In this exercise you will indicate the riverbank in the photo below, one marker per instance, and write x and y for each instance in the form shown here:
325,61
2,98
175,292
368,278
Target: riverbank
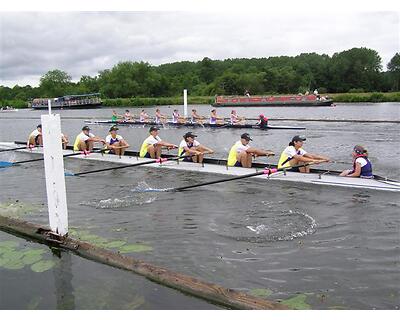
368,97
373,97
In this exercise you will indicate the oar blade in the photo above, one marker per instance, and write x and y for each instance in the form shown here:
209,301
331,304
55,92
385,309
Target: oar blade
5,164
69,174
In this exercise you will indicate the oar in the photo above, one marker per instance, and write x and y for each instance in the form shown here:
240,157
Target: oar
266,171
161,160
13,149
10,164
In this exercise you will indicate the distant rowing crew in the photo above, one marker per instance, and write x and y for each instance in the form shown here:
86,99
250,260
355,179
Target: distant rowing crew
176,118
241,153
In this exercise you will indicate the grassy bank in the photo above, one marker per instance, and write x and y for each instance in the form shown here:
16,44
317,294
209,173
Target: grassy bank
162,101
366,97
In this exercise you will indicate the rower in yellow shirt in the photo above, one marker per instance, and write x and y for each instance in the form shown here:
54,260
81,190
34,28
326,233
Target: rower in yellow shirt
241,154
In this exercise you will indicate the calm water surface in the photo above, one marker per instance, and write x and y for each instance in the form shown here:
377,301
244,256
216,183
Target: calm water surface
329,248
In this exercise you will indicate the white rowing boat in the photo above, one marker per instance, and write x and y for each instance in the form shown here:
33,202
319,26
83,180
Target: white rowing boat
218,166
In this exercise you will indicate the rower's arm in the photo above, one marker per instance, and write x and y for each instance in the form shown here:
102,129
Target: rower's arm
260,152
167,144
96,139
303,158
206,149
316,157
357,171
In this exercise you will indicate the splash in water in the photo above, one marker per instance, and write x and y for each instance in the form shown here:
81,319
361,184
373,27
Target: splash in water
142,187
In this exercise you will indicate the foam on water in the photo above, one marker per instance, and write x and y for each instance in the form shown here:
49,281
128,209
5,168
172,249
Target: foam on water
142,186
268,225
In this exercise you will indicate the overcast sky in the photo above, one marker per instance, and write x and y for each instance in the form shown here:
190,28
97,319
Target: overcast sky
84,43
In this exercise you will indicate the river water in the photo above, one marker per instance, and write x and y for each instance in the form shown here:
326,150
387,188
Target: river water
315,247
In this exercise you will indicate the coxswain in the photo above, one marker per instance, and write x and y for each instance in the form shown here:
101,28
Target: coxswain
143,117
35,138
152,145
214,119
362,167
295,155
241,153
116,143
85,140
235,119
262,121
196,118
190,147
160,118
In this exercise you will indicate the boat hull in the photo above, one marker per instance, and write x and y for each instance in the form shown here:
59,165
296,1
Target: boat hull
218,166
195,125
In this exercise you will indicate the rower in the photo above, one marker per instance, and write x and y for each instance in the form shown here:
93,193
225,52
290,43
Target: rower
241,153
176,117
235,119
115,143
64,140
35,138
115,116
214,119
362,167
127,116
152,145
143,117
192,148
262,121
85,140
160,118
196,118
295,155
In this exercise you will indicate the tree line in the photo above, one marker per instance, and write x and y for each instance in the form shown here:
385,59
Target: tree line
355,70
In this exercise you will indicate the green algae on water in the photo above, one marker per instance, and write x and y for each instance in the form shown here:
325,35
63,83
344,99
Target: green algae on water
260,292
297,302
17,208
120,245
42,265
130,248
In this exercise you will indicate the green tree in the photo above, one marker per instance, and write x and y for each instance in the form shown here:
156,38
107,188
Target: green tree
394,72
55,83
355,68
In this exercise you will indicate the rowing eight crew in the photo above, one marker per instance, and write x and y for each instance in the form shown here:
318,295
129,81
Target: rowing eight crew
241,153
160,118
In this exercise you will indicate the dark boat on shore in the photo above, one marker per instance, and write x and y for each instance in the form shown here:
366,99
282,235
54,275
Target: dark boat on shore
81,101
273,101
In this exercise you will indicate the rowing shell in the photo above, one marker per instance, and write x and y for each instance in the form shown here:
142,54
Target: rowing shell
192,125
218,166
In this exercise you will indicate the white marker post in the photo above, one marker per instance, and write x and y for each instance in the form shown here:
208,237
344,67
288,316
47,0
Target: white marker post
185,103
54,172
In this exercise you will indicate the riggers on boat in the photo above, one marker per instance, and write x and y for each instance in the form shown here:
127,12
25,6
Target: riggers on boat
193,125
273,101
219,166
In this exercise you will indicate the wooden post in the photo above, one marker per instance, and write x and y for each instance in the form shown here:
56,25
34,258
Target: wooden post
208,291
